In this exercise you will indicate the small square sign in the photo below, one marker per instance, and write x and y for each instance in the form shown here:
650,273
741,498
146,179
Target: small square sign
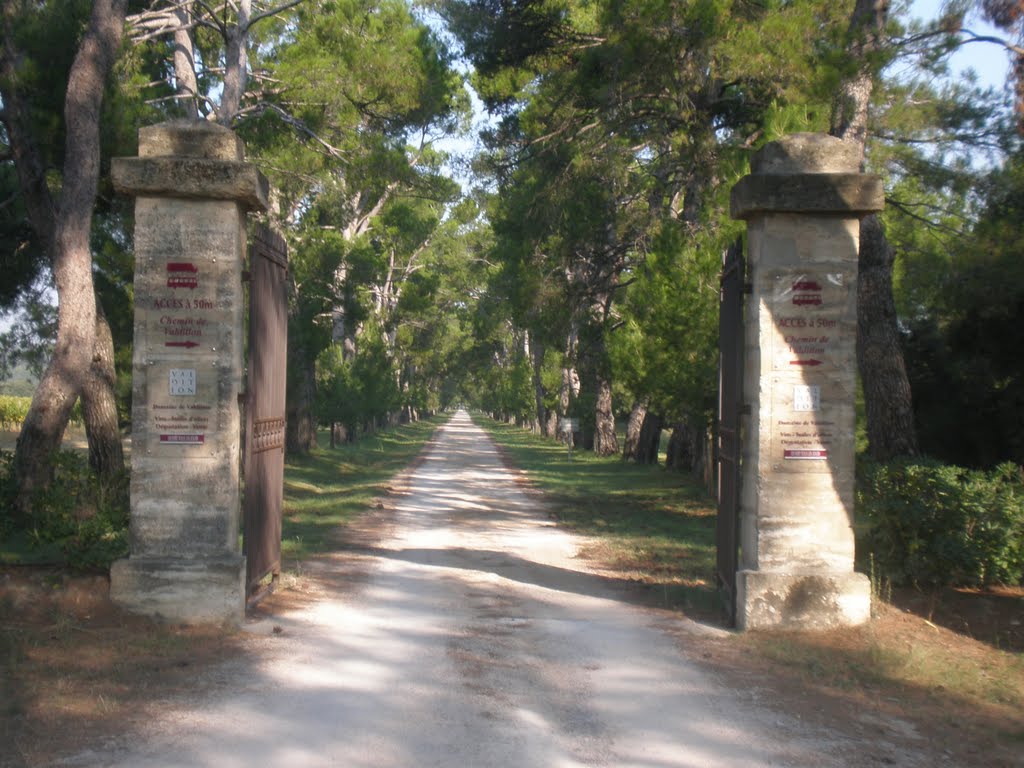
807,397
183,381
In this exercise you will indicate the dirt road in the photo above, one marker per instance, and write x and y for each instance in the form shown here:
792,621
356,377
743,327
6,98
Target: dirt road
473,638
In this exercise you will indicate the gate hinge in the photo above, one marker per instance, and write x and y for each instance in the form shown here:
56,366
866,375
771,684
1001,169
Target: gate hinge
745,409
246,276
748,288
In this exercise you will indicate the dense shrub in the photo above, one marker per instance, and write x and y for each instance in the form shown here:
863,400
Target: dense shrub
13,410
83,518
939,525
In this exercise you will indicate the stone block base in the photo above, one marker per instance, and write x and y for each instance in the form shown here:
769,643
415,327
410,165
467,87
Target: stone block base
811,600
189,591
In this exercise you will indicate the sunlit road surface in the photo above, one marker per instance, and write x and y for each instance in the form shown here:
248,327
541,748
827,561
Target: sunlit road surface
474,639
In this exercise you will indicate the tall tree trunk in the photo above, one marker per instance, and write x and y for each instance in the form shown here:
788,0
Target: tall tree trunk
236,65
650,439
633,427
300,424
605,441
99,405
570,386
675,453
186,85
537,360
551,426
686,448
887,396
70,257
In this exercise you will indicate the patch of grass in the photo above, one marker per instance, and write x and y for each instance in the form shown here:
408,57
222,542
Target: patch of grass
652,525
332,486
78,520
73,667
899,658
658,527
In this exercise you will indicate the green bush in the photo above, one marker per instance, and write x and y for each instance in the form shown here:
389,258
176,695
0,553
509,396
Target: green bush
933,524
78,515
13,410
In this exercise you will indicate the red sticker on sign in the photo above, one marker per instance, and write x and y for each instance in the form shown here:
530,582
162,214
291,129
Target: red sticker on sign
182,439
806,454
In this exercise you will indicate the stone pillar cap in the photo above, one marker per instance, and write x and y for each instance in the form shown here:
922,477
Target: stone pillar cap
809,173
807,153
191,159
190,138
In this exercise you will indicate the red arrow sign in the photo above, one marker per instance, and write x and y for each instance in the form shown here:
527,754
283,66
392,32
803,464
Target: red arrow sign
185,344
805,362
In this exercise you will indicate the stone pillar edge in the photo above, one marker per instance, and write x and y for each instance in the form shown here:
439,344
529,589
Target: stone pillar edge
191,178
828,193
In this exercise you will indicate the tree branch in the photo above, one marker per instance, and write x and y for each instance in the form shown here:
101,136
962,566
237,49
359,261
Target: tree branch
273,12
298,125
976,38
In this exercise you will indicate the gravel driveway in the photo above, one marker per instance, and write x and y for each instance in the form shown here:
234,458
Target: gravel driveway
473,638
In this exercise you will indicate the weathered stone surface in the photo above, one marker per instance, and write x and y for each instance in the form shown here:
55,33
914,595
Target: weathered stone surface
807,173
796,518
803,153
190,247
190,138
817,599
807,193
191,178
180,590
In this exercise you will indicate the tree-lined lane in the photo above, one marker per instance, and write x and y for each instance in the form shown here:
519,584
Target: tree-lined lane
475,638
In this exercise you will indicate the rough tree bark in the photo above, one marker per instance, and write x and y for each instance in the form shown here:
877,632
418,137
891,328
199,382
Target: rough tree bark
570,386
887,396
551,426
631,445
236,70
300,426
537,359
70,257
686,448
650,439
185,82
99,405
605,441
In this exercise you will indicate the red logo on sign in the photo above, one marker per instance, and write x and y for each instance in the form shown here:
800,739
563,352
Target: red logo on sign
181,274
806,293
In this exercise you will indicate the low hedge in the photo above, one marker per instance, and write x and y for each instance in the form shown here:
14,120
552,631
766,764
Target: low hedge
79,520
933,524
13,410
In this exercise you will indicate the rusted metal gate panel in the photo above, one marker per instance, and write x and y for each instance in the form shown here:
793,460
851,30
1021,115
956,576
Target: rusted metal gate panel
265,403
730,406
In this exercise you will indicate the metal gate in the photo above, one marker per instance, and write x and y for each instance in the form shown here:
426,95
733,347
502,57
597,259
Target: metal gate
730,406
265,404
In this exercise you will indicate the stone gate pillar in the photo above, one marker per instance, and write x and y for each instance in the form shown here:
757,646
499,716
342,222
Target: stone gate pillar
192,191
803,202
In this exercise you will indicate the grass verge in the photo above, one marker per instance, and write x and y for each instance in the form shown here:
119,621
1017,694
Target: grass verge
648,524
332,486
76,672
963,689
